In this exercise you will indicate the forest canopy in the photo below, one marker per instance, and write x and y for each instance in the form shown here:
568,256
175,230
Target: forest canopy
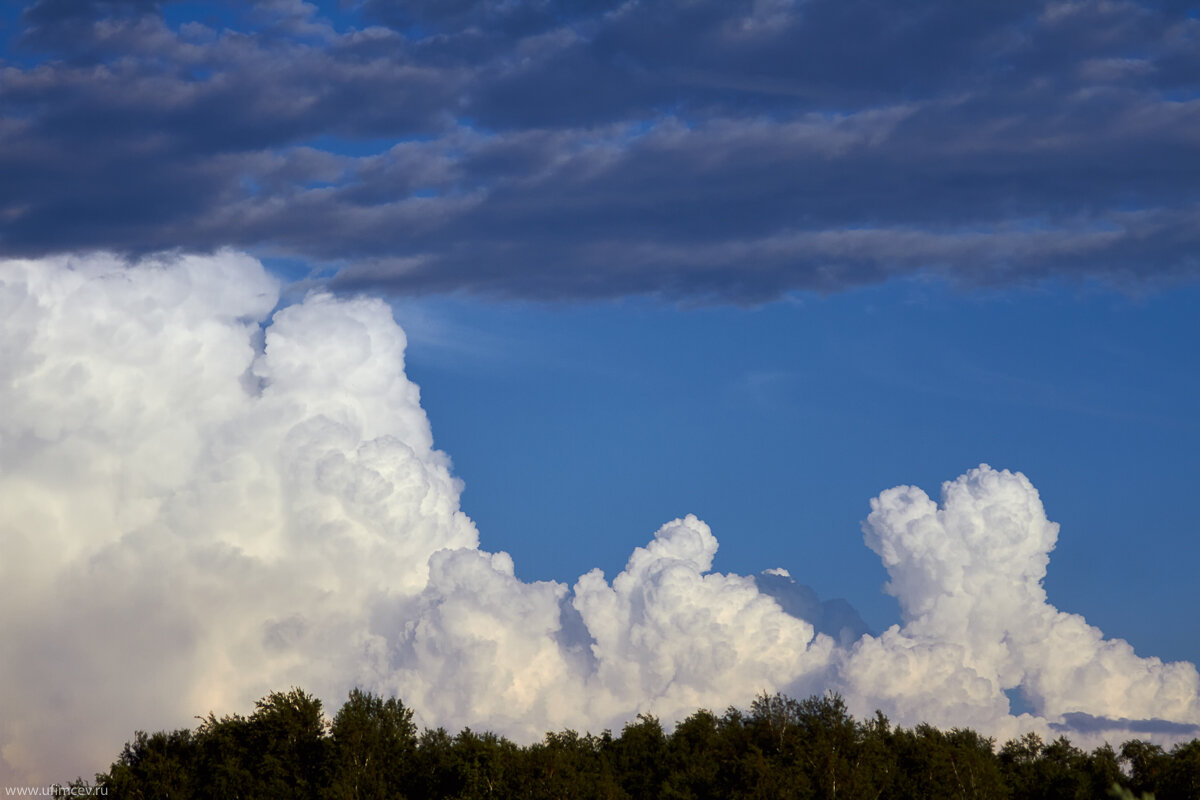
780,748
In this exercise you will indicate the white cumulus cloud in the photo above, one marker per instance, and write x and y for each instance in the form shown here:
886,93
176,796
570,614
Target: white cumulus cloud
204,498
968,575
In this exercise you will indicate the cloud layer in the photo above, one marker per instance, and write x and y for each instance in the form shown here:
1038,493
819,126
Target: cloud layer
729,151
205,498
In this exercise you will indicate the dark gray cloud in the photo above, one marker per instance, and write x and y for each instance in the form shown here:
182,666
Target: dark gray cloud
1079,722
728,151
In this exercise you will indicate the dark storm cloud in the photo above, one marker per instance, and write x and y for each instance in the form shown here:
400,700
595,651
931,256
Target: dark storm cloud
716,151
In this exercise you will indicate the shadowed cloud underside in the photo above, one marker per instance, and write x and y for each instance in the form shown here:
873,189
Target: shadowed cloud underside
719,152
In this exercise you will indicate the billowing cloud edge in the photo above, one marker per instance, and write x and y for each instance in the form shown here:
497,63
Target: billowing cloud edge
206,497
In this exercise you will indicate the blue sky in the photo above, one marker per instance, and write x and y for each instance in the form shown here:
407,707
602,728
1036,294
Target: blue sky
578,429
753,260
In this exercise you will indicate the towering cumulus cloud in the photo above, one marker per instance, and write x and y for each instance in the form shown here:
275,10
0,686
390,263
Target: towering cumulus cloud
968,575
203,498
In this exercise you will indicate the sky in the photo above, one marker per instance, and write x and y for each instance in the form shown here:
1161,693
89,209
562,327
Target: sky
433,347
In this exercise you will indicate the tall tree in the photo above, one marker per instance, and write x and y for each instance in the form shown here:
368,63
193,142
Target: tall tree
1181,780
372,745
289,745
153,766
640,758
1147,765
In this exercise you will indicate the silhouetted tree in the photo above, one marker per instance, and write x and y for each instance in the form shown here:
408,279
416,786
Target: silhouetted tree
289,748
1181,778
567,766
1147,765
372,747
153,766
640,758
436,773
783,749
1103,771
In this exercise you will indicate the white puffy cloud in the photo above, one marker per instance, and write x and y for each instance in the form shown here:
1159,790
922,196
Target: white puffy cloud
671,637
190,520
968,575
203,498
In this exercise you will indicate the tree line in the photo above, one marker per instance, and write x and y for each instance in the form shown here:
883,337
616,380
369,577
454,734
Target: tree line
781,749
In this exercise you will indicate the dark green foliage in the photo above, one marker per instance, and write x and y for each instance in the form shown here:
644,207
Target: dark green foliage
935,764
290,746
781,748
1180,778
1103,771
639,757
279,751
225,762
373,742
697,759
567,765
488,765
814,748
437,772
1042,771
152,766
1147,765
